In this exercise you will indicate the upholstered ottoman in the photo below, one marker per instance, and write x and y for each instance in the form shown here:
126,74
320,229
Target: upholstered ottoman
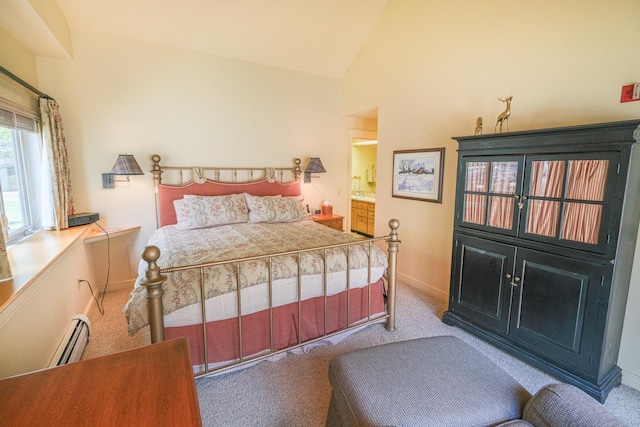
436,381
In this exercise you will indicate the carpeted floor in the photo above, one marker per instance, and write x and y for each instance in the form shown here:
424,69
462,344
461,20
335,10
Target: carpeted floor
295,391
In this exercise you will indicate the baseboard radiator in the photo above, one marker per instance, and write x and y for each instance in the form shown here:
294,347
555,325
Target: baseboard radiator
73,343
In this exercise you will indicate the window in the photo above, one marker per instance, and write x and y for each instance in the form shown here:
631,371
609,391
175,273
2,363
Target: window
20,166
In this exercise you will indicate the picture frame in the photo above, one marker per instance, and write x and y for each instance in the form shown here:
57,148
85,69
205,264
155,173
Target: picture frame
417,174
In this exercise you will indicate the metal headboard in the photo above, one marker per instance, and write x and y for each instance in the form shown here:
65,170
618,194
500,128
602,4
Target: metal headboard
181,175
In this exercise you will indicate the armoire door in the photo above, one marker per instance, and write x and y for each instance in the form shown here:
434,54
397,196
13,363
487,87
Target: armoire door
566,199
554,307
490,193
481,281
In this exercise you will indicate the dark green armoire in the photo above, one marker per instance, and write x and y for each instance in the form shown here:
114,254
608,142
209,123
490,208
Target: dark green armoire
544,237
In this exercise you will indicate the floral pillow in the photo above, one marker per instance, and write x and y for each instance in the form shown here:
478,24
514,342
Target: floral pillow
209,211
275,208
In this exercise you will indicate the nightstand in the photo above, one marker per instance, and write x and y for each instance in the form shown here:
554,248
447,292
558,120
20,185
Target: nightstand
331,221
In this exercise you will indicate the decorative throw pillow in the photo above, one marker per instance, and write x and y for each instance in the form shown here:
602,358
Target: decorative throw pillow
209,211
275,208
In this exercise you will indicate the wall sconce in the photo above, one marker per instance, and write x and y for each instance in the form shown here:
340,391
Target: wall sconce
314,166
125,165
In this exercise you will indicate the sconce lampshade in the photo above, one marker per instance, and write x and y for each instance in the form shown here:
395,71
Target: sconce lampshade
126,164
315,166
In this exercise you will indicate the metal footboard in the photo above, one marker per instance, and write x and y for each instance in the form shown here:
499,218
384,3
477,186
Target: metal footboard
154,279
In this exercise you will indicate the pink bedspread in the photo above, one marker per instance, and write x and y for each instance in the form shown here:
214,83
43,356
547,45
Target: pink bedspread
223,339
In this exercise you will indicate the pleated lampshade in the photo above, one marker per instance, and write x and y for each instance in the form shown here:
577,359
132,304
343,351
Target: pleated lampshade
315,166
126,164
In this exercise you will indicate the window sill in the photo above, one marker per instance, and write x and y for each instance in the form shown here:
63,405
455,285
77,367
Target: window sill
32,257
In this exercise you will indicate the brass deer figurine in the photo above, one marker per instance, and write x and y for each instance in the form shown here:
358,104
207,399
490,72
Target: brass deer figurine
478,126
504,116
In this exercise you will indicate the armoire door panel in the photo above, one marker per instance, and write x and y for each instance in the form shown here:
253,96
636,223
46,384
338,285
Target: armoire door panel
554,307
481,292
552,304
567,199
492,186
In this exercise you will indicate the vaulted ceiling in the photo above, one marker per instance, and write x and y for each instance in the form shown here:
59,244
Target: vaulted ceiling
321,37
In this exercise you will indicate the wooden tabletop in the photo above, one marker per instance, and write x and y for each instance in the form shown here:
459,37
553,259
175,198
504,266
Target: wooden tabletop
324,217
148,386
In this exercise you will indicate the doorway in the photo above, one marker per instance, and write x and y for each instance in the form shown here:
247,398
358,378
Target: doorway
364,155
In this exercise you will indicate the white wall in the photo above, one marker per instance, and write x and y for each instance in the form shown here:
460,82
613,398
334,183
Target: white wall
123,96
629,359
431,68
18,60
34,324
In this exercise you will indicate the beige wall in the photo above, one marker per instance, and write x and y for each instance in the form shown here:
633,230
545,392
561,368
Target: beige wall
123,96
18,60
431,68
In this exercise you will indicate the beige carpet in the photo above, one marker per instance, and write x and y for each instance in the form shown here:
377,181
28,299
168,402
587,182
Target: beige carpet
295,391
109,331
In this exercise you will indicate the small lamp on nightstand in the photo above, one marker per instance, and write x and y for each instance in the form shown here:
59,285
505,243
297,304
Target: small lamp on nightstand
315,166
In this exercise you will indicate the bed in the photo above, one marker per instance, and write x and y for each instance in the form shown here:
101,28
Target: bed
302,284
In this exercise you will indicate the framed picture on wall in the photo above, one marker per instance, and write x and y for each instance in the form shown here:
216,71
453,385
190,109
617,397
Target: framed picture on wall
417,174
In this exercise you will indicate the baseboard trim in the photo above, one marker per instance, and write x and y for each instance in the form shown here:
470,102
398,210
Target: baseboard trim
630,379
118,286
423,287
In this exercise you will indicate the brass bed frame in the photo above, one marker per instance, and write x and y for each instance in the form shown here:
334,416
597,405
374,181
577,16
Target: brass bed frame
154,277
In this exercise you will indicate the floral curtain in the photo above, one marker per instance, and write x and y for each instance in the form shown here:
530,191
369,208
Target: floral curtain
55,151
5,267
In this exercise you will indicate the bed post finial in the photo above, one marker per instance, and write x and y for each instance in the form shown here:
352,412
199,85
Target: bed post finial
393,242
297,171
156,170
153,283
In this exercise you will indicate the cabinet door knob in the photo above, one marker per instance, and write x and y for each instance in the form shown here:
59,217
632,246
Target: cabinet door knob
524,197
508,276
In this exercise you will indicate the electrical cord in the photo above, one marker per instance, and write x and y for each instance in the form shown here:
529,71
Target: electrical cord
100,304
100,309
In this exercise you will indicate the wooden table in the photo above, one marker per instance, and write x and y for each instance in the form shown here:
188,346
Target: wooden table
332,221
147,386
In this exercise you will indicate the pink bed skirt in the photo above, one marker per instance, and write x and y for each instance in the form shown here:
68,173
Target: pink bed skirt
223,337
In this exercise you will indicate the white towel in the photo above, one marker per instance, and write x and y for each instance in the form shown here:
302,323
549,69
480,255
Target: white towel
371,177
